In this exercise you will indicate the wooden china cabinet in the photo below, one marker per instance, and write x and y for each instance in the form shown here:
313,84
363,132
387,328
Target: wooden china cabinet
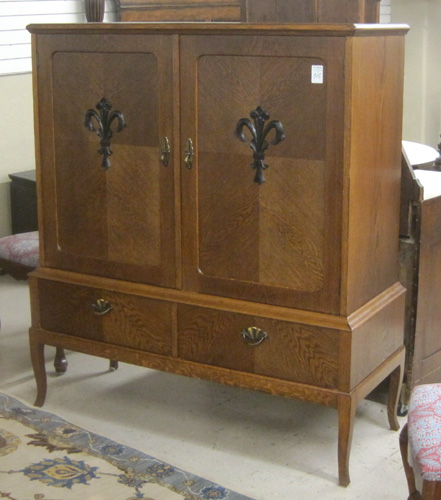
256,11
303,11
222,201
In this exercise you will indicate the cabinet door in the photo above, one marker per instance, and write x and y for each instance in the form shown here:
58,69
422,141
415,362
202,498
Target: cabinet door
276,242
107,188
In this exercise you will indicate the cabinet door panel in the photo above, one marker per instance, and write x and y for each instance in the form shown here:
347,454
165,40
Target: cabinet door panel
116,221
277,242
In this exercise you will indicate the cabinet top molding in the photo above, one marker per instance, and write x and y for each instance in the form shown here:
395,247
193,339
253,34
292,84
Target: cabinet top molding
223,28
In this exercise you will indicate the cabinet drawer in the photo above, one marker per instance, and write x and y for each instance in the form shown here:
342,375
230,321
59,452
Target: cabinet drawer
290,351
132,321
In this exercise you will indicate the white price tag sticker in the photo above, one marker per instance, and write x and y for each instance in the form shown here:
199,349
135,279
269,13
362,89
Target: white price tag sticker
316,73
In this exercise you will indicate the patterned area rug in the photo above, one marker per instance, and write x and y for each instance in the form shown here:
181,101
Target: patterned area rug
43,457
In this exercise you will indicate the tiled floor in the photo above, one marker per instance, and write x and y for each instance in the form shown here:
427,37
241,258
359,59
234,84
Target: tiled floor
263,446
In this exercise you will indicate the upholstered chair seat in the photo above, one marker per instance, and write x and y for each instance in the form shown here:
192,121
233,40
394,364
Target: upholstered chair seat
420,443
19,254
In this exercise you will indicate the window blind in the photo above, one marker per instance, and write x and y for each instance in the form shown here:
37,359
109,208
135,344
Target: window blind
15,15
385,8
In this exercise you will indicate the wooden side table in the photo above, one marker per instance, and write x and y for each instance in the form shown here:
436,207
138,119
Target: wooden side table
23,191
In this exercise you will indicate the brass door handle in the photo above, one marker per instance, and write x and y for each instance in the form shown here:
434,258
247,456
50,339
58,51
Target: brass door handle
189,153
253,335
165,151
101,307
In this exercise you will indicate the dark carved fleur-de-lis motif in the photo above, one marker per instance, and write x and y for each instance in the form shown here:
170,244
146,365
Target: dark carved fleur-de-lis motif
103,128
258,143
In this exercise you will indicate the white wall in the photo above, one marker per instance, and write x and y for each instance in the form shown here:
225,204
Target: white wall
422,86
16,136
16,125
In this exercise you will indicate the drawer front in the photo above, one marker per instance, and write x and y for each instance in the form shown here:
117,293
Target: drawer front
284,350
117,318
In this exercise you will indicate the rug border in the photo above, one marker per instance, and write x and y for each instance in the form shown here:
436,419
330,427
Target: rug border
13,408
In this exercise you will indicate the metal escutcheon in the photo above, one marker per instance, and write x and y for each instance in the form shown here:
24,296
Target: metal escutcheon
253,335
165,151
101,307
189,153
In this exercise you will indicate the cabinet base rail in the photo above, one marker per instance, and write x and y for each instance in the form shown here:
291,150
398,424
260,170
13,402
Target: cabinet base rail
345,403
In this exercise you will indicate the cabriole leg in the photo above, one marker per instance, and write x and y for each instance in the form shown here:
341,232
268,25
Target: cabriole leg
395,381
37,358
346,416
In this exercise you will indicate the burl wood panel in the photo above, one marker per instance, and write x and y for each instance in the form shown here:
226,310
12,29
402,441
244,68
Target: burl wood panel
292,351
264,242
111,222
136,322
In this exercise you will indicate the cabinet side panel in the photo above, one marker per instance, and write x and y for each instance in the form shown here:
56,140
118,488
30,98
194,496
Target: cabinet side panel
378,337
374,167
428,315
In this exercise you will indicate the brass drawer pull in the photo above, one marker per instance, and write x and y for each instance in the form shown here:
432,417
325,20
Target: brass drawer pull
254,335
101,307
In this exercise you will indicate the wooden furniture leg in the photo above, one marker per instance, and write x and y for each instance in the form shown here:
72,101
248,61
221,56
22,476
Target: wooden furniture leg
347,406
395,380
408,470
37,358
60,362
39,367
